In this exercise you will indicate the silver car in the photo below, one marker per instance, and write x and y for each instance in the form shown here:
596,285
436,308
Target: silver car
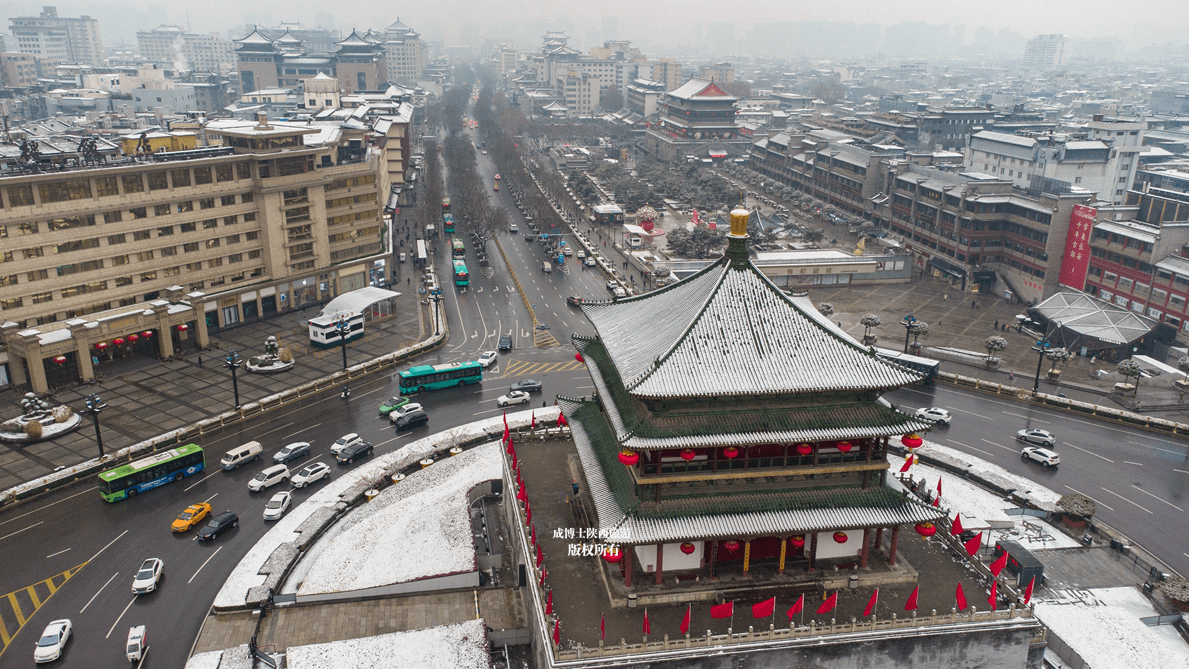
1038,437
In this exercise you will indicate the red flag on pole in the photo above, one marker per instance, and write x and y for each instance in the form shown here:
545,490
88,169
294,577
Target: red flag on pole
764,608
505,423
911,604
544,575
534,416
557,631
974,544
993,600
1028,591
561,419
540,556
549,604
998,565
937,499
796,607
725,610
602,626
647,627
828,605
507,433
685,620
961,597
528,512
909,461
511,450
956,526
871,603
534,535
515,463
521,494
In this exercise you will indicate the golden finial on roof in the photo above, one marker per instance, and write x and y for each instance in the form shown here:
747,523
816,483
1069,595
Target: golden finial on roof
739,218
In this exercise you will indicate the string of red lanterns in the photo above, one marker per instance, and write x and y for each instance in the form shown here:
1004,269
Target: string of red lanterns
926,529
688,454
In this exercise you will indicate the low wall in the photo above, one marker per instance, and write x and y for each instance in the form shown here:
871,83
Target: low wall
468,579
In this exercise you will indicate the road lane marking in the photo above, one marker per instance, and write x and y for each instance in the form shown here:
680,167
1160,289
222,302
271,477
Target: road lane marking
307,429
117,622
1154,448
58,553
1174,443
399,436
1109,507
1183,471
201,480
1157,498
1137,464
973,448
969,412
298,467
480,413
1018,415
275,429
1090,452
108,545
22,530
48,505
204,564
113,577
1127,500
986,441
208,499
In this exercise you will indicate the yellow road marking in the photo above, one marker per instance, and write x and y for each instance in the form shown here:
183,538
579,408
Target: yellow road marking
16,608
6,638
33,596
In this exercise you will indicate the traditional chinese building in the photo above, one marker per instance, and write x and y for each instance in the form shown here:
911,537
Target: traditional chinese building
698,119
735,425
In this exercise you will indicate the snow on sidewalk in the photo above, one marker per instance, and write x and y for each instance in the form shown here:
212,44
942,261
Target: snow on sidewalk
976,467
458,646
1103,626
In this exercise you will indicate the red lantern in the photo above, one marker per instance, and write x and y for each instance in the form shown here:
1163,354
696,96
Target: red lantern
134,337
688,454
101,345
926,529
840,537
730,545
60,359
612,554
845,446
629,457
118,340
804,449
730,452
147,334
688,548
912,440
183,327
578,357
797,541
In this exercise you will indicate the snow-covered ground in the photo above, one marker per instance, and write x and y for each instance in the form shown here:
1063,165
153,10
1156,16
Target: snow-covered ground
415,529
458,646
983,470
208,660
1103,627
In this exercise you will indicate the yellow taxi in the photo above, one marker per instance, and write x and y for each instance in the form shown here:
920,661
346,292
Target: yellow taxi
191,517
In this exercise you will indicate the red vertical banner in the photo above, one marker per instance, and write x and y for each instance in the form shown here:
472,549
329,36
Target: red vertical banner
1076,261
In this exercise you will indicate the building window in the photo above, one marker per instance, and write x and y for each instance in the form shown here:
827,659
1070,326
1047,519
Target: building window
37,275
206,203
113,216
20,196
185,206
107,186
181,177
148,276
202,175
228,200
144,256
116,261
157,181
190,247
162,210
64,191
164,231
39,298
224,173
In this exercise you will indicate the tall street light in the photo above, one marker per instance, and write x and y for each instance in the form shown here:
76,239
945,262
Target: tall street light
343,326
908,322
94,406
1042,346
233,363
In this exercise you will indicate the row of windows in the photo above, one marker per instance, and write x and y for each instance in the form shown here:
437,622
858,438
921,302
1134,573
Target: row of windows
1119,259
1127,242
110,186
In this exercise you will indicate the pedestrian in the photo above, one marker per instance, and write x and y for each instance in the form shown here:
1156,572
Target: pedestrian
200,360
410,280
938,323
945,296
996,323
1011,375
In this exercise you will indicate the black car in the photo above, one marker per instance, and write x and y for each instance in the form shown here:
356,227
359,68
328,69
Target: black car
505,343
218,525
411,420
574,301
527,385
353,453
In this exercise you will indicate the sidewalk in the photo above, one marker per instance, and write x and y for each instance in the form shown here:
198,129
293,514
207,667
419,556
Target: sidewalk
146,397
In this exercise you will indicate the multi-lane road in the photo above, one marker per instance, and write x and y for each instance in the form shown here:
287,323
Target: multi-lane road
72,555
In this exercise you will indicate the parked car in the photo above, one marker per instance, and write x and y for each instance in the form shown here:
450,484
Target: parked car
391,404
619,292
148,576
574,301
581,255
218,525
934,414
1044,456
515,397
190,518
353,453
590,261
268,478
487,358
345,441
568,251
298,449
411,420
505,343
53,641
611,286
278,505
411,407
310,473
526,385
1036,436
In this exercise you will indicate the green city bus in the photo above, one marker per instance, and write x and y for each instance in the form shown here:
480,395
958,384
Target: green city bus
461,276
431,377
458,250
151,471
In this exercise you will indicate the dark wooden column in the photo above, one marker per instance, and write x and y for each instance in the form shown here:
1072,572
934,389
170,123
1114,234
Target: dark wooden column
866,547
878,538
812,551
895,542
660,558
714,559
627,566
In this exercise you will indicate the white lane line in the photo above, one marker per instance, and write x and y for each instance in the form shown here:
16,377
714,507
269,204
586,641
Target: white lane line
1020,415
108,545
584,387
986,441
58,553
1183,471
307,429
204,564
1137,464
1098,425
117,622
276,429
1174,443
210,498
27,513
201,480
969,412
1127,500
1090,452
973,448
113,577
480,413
305,463
1154,448
1157,498
22,530
1109,507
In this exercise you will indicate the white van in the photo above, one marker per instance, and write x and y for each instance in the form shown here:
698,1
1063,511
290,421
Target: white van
635,242
548,269
241,454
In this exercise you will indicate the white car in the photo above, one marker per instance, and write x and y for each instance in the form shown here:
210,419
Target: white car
406,409
268,478
148,576
581,255
590,261
619,292
347,440
1044,456
310,473
568,251
514,397
487,358
278,505
934,414
53,641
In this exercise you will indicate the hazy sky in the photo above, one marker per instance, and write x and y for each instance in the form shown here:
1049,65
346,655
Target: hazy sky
1136,22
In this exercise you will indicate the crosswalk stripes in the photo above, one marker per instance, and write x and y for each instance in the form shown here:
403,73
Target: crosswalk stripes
18,606
529,367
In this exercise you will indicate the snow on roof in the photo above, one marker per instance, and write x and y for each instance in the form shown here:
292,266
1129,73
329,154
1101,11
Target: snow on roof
458,646
701,88
1103,626
355,302
992,136
416,529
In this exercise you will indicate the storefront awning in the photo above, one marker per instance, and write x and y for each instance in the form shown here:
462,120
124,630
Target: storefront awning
717,153
954,270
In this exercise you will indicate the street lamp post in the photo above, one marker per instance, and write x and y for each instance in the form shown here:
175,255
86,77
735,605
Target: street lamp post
908,322
343,327
233,363
1042,346
94,406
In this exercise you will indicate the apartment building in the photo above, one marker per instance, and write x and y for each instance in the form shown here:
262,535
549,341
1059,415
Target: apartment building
58,39
17,70
174,47
1045,52
405,53
278,217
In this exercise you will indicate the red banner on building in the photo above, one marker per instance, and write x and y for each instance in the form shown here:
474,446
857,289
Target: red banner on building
1076,261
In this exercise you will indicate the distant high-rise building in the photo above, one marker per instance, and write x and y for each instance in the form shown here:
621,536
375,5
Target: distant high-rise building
58,39
172,46
1045,52
406,53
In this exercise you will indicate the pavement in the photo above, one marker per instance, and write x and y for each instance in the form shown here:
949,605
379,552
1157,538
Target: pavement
146,397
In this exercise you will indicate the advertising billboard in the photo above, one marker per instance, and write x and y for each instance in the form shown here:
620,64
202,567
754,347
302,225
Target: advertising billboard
1076,261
